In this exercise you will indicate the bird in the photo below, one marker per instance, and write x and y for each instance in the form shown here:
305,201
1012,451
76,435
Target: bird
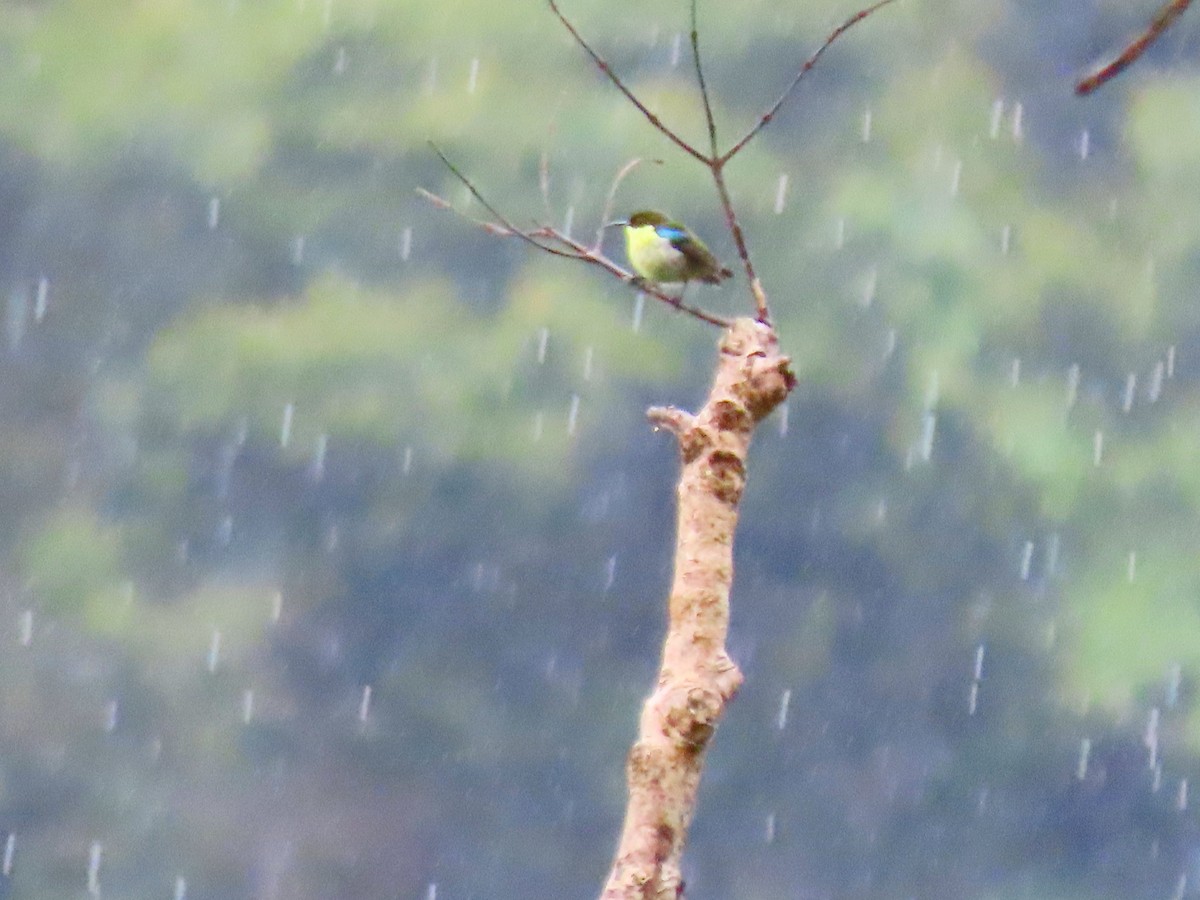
665,252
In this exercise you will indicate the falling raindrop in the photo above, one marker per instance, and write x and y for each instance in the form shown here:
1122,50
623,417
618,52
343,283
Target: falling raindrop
1150,737
676,49
928,427
406,465
473,76
1156,383
866,126
956,177
26,627
276,606
1005,240
285,428
588,355
340,61
569,220
316,468
431,75
1072,385
639,307
783,419
180,888
431,891
110,716
1174,683
997,116
1156,778
1026,560
405,243
40,298
872,282
889,344
1181,799
1085,143
95,852
298,250
839,234
610,573
1130,390
214,651
539,424
1171,361
769,831
10,847
1131,567
573,414
247,706
214,213
1097,448
781,717
1085,752
1018,122
1014,375
973,698
364,704
781,187
978,673
543,340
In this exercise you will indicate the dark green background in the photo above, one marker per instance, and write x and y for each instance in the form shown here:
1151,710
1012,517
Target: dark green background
208,225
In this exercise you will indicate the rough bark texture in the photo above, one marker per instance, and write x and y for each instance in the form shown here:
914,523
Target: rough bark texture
697,678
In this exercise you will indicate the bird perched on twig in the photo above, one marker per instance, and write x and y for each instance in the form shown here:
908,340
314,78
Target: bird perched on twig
666,252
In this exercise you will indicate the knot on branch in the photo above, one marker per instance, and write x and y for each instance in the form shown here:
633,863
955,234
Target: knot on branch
763,376
691,716
770,380
726,476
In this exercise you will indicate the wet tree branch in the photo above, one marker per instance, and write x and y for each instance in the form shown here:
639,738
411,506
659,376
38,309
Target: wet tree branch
697,678
1162,21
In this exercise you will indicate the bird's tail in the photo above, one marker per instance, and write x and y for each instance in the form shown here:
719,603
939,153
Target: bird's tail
718,276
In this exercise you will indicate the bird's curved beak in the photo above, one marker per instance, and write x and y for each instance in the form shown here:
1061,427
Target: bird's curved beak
616,223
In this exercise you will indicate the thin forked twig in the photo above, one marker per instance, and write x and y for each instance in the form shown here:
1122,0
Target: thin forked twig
612,196
708,113
1135,48
537,237
604,67
509,226
804,70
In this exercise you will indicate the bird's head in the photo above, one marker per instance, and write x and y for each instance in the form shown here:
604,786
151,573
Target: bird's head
647,217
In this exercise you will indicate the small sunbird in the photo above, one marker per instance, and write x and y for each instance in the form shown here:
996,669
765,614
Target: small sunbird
667,252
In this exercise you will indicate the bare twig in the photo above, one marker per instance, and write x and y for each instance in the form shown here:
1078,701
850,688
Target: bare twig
761,310
544,236
612,195
804,70
708,113
1162,21
509,226
641,107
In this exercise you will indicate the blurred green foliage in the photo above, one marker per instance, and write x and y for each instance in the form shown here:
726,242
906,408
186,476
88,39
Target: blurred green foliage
336,540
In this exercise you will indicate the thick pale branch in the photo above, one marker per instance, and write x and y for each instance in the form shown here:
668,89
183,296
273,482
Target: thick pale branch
697,678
